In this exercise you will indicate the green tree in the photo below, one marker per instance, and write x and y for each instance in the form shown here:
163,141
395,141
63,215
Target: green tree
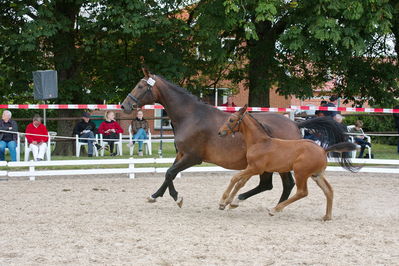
95,46
299,45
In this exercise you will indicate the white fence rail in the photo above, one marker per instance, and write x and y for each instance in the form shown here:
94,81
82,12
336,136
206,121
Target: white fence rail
390,166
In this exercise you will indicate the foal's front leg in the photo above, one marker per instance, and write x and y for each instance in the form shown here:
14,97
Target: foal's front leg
226,193
227,197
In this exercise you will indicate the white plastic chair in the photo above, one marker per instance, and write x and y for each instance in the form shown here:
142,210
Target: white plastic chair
352,139
146,142
53,134
18,148
117,144
28,149
79,144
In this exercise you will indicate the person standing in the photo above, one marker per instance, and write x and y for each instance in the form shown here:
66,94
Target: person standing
8,140
229,103
86,130
333,103
140,130
37,144
110,129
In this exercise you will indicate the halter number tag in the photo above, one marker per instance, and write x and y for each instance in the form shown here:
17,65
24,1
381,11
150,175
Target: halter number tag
151,82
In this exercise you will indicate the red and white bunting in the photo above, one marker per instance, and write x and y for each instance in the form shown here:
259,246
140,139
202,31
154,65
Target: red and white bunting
223,108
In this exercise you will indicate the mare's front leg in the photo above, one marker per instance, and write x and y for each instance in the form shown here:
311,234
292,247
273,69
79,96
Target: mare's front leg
182,162
266,183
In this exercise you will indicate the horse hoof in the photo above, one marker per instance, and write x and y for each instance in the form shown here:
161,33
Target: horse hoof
272,212
179,202
222,207
235,203
150,199
326,218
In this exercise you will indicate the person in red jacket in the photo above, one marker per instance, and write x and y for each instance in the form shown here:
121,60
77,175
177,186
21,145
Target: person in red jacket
37,144
229,103
110,129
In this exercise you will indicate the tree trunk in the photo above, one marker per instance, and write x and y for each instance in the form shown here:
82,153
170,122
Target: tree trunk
261,57
66,64
65,128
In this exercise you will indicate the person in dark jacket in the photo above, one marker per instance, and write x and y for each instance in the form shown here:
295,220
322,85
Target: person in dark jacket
8,140
396,117
140,130
333,103
86,130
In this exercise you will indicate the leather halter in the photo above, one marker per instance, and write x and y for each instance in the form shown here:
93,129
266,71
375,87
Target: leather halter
236,125
137,100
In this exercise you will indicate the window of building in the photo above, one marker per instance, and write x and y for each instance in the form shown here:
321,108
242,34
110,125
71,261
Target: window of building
216,96
166,122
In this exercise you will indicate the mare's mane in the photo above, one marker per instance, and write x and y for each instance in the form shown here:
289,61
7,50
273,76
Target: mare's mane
264,128
183,91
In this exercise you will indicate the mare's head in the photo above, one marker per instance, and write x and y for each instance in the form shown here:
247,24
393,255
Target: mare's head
233,122
141,94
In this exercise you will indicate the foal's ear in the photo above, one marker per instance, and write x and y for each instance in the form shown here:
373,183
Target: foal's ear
146,72
243,109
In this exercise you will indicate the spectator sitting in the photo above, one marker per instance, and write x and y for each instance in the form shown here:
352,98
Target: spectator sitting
86,130
360,139
396,117
333,103
110,129
340,120
140,130
8,140
229,103
37,144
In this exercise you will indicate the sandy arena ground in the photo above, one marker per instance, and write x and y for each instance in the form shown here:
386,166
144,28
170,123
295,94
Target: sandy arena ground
94,220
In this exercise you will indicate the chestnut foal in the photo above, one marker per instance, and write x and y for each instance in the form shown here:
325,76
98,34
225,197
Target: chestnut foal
267,154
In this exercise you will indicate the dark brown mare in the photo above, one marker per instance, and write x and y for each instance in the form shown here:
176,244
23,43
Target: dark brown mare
196,126
267,154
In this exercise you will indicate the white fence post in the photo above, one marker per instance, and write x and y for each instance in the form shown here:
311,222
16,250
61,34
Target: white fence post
131,166
32,172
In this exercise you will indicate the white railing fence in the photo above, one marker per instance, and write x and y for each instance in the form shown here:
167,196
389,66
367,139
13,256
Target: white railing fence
389,166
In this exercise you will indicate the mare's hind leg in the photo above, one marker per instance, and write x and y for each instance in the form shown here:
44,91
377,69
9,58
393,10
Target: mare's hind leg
266,183
288,185
322,182
301,192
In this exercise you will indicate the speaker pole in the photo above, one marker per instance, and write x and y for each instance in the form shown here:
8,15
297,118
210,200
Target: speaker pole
44,115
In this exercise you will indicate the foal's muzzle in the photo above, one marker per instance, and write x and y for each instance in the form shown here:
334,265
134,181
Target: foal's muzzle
222,133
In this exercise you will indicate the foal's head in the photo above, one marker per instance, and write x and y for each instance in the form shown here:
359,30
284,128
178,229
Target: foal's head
141,94
232,124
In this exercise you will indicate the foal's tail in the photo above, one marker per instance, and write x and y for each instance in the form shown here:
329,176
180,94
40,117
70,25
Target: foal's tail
344,160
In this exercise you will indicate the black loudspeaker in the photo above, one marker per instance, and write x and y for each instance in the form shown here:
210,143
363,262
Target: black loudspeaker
46,84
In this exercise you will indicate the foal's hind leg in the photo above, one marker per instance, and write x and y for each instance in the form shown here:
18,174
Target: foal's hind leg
322,182
301,192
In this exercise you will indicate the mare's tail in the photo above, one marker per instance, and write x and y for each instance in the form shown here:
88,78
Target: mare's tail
344,160
325,129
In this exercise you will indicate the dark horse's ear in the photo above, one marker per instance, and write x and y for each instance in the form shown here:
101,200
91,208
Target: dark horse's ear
146,72
243,109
